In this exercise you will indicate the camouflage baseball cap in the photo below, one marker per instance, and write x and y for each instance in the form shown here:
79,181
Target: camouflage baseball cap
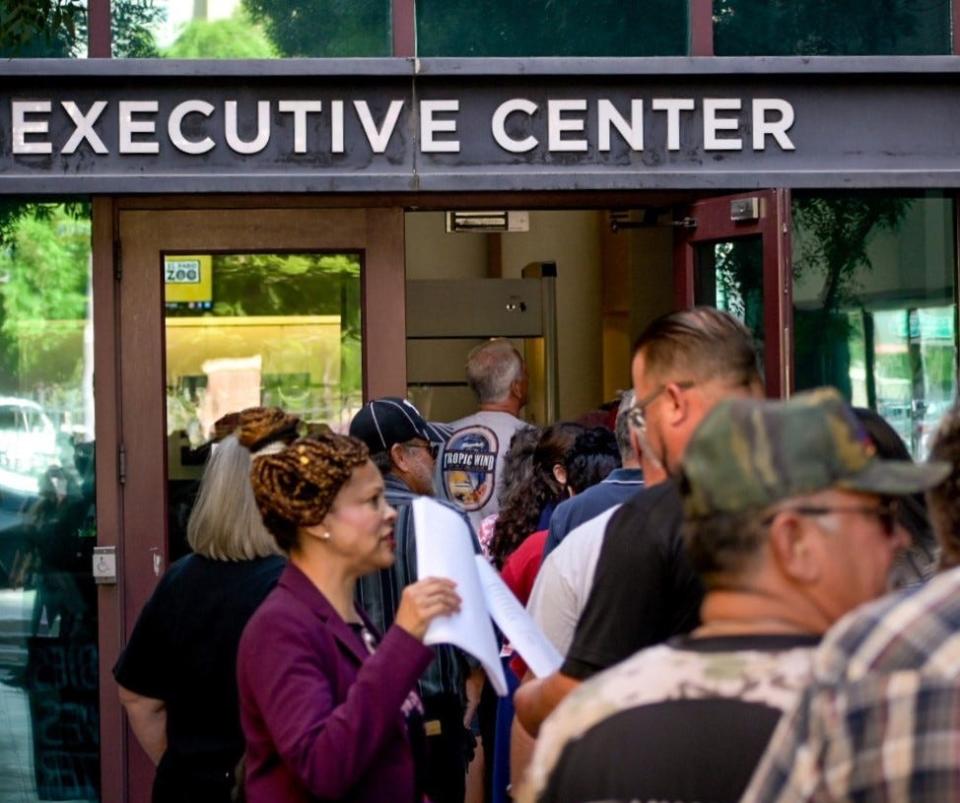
748,454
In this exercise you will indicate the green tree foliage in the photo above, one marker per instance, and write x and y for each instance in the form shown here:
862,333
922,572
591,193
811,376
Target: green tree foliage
832,235
233,38
58,28
325,28
39,28
44,267
831,28
551,28
132,25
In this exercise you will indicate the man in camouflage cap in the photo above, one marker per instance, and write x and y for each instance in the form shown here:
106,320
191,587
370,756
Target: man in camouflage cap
790,521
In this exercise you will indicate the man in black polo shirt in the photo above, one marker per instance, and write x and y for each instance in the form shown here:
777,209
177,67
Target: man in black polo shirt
790,520
644,589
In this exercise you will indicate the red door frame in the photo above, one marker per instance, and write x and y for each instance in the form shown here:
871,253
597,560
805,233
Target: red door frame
142,234
713,223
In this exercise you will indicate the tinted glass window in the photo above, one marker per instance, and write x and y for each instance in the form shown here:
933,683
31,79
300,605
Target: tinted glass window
831,28
874,309
35,30
252,29
49,714
552,28
249,329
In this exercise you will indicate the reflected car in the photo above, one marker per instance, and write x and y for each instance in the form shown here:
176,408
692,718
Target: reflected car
28,444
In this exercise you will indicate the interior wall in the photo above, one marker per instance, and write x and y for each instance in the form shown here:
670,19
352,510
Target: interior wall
571,239
651,273
609,287
431,253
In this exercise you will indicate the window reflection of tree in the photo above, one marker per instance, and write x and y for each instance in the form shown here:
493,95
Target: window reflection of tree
831,239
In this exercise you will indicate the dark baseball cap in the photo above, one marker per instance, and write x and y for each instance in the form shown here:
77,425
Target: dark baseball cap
383,422
748,454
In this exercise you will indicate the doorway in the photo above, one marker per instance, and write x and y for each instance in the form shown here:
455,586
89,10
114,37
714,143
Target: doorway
616,271
221,309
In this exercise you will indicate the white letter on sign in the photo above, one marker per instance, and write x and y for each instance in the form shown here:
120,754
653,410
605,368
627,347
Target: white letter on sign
775,128
712,124
19,109
673,107
498,125
556,125
378,139
429,126
129,126
632,132
300,109
175,123
84,126
259,142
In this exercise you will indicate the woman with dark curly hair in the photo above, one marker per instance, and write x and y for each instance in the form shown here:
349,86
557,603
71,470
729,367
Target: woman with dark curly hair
531,502
327,703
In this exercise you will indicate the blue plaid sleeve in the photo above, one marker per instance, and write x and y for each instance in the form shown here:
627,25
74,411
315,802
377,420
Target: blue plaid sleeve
889,736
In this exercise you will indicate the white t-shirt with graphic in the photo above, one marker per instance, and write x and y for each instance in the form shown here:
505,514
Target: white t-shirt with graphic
470,464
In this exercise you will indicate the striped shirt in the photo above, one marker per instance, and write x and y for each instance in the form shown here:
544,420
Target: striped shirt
881,719
379,593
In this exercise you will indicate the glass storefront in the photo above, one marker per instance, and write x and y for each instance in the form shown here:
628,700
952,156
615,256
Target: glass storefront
244,330
49,718
252,29
875,305
829,28
471,28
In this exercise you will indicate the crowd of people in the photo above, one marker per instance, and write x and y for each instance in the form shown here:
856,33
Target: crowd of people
754,599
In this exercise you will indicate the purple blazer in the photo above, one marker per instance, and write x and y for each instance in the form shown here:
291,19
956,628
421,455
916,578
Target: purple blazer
321,716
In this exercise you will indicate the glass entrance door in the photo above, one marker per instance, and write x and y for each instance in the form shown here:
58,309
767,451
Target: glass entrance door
731,253
225,309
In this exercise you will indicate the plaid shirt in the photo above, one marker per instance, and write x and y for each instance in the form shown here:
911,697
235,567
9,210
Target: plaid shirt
881,719
379,593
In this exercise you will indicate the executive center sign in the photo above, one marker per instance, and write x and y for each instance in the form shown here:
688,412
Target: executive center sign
196,126
367,125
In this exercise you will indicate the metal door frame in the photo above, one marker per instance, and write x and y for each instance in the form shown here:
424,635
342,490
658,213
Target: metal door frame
713,223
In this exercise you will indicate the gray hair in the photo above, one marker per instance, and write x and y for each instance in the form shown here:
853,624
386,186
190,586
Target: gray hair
492,368
622,427
225,523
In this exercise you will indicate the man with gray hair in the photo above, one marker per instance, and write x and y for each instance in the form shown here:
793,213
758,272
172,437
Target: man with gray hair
471,460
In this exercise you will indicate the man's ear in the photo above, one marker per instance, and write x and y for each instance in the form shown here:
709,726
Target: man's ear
560,473
795,550
678,404
399,457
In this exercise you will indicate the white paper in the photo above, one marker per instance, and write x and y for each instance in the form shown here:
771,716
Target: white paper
525,637
445,549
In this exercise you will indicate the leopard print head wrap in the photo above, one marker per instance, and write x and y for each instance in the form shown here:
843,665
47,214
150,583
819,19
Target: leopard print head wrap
296,487
257,427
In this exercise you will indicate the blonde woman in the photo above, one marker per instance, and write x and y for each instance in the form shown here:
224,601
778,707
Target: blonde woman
177,675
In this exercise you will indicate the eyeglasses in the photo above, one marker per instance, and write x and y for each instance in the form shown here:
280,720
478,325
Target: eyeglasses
636,414
433,448
886,512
